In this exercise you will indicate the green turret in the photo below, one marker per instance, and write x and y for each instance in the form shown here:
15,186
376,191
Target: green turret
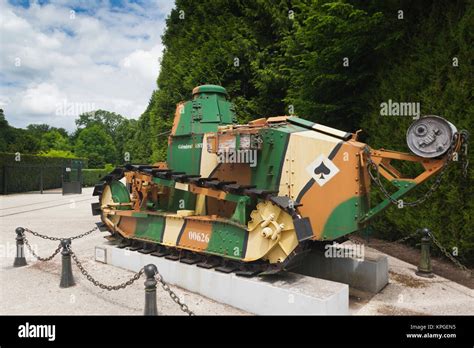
208,109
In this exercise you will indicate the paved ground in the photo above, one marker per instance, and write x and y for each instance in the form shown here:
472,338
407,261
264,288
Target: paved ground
35,289
408,294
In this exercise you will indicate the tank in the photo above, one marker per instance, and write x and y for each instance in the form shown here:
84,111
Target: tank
250,198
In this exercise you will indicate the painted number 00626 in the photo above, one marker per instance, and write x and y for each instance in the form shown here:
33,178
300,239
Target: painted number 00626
198,236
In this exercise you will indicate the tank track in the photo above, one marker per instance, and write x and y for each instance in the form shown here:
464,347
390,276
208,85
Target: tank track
219,263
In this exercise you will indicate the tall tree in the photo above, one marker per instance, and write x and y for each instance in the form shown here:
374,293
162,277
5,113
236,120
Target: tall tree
16,140
54,140
120,129
95,144
37,130
108,120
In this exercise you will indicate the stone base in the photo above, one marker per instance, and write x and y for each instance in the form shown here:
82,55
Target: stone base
368,274
287,293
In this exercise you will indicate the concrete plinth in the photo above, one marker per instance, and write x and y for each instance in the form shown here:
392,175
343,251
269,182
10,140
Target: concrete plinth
288,293
370,273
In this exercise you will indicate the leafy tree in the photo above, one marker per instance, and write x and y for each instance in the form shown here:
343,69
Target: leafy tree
54,140
6,135
16,140
109,121
140,145
120,129
38,130
23,142
332,52
124,140
95,144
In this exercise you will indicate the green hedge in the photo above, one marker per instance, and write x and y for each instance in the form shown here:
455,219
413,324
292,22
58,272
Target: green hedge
425,74
90,177
24,175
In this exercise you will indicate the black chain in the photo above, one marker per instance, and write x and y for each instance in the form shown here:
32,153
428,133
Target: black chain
129,282
434,186
449,256
173,295
435,241
49,258
84,234
123,285
401,240
36,234
464,148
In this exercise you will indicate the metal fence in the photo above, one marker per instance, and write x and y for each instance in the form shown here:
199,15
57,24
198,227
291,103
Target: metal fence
23,178
30,177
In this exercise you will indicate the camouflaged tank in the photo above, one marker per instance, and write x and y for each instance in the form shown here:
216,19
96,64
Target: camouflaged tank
253,198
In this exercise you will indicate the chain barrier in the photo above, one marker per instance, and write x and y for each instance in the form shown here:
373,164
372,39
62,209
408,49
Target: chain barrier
401,240
435,241
123,285
79,236
129,282
449,256
36,234
49,258
89,277
173,295
464,148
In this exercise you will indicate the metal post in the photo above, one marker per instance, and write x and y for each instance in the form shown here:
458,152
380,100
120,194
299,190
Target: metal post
424,267
150,290
67,280
20,259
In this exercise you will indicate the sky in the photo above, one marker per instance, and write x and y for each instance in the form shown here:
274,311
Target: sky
61,58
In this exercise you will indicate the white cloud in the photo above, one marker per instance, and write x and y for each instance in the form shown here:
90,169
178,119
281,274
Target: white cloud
41,98
143,62
98,55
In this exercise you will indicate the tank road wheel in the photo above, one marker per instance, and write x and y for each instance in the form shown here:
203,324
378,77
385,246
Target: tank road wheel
272,235
114,197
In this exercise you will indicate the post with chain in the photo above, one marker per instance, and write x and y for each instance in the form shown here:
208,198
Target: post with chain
20,259
67,280
150,290
424,267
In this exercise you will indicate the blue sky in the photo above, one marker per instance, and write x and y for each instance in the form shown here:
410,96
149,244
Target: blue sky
60,58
